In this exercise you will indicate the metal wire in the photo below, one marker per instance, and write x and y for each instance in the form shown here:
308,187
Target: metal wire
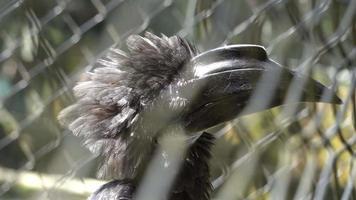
295,152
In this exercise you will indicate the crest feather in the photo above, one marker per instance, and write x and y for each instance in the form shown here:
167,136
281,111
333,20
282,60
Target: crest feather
112,96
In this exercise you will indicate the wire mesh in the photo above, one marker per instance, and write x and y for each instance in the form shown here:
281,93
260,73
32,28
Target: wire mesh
292,152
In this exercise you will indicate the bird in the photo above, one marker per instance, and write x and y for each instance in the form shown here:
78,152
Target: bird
131,98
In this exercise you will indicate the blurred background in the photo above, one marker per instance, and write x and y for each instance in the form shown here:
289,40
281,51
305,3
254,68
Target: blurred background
305,154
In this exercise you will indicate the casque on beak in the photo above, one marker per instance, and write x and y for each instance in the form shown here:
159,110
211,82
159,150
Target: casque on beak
240,79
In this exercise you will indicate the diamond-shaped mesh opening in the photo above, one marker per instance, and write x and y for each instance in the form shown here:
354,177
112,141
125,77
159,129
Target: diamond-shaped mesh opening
46,45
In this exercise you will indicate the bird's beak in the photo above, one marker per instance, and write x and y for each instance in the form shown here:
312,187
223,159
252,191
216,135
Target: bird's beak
237,80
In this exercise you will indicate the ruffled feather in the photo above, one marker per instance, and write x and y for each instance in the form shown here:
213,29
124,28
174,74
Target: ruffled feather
111,98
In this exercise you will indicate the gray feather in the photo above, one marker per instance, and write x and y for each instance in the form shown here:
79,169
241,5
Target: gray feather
109,101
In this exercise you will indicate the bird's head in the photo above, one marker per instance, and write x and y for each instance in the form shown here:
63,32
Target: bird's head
167,75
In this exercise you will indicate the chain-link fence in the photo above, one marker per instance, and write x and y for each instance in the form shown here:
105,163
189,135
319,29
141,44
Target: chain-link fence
46,44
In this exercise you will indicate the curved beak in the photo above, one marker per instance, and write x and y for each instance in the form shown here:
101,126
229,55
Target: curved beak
237,80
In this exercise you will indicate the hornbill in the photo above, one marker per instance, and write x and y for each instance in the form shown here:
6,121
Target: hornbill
130,99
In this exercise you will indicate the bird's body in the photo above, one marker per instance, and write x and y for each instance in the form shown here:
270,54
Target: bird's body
130,99
191,183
